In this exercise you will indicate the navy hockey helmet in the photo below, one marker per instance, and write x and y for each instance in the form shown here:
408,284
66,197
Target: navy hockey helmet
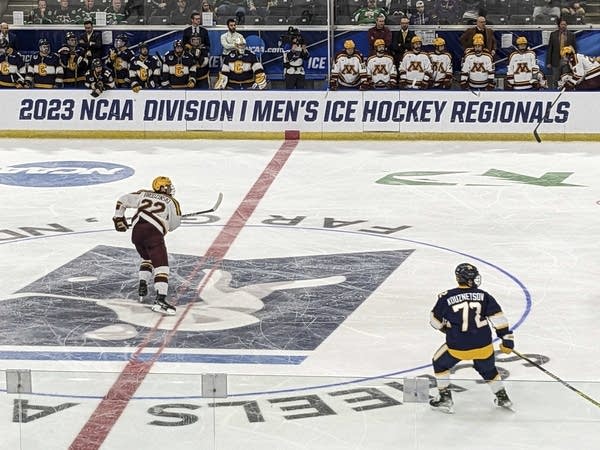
97,62
467,274
143,44
121,40
44,45
195,39
177,43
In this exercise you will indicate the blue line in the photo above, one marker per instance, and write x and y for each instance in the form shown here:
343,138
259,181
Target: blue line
526,312
164,357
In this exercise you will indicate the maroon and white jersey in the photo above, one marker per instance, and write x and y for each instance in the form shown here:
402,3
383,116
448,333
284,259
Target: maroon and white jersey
477,71
348,70
156,208
441,66
585,73
523,70
415,70
382,72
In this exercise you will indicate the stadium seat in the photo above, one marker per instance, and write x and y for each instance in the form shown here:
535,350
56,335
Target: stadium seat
497,7
521,19
158,20
497,19
276,20
299,20
524,7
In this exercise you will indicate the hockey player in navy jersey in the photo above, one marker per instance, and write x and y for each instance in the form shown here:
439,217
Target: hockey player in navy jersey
241,69
12,66
119,62
44,69
73,61
145,70
98,78
179,68
464,314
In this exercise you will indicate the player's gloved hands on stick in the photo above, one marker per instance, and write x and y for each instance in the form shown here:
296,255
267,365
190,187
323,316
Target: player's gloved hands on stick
120,224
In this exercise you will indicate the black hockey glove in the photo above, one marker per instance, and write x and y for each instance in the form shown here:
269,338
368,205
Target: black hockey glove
120,224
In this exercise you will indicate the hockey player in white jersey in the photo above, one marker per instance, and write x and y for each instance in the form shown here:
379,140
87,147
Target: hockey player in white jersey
415,70
585,71
477,71
157,213
381,69
523,72
441,63
348,70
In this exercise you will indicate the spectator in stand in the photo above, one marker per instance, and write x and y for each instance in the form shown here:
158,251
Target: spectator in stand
573,11
116,14
379,31
447,12
87,12
558,40
544,10
237,8
420,17
134,9
8,36
161,8
179,16
42,14
65,13
472,9
401,42
397,8
91,41
489,41
368,14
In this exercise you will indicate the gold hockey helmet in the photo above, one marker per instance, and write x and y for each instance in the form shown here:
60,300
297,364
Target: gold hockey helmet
566,51
349,44
438,42
478,40
163,185
521,40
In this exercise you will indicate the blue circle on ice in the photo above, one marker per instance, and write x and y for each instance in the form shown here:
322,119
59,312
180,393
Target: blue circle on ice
63,173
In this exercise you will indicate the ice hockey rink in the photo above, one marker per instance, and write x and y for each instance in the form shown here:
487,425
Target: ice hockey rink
302,302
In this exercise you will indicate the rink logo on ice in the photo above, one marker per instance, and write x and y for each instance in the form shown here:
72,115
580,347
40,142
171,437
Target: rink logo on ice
288,303
63,173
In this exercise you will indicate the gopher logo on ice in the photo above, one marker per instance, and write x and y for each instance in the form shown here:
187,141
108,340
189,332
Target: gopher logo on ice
291,303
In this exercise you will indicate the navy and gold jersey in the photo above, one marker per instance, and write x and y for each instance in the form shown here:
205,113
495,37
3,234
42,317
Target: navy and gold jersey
178,70
12,70
242,70
463,314
74,65
119,62
44,71
145,72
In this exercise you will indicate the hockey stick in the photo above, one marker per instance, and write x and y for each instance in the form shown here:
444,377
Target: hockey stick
213,209
535,132
197,213
564,383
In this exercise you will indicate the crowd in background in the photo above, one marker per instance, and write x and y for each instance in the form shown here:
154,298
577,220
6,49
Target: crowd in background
311,12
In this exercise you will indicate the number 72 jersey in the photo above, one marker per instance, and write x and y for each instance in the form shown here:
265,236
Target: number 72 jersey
463,314
161,210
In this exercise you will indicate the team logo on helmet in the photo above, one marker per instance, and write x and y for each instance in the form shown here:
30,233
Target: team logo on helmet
467,274
163,185
438,42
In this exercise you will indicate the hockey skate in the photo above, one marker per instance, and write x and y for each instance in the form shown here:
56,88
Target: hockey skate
502,399
142,290
161,305
443,402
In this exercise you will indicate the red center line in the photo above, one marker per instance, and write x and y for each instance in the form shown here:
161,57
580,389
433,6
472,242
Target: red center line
111,407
